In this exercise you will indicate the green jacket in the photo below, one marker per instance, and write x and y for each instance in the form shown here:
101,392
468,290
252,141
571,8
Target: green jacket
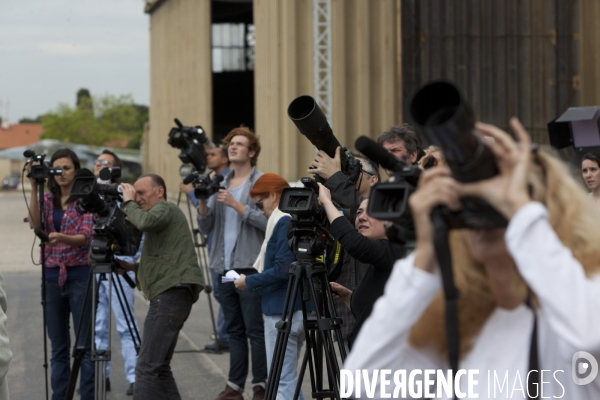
168,257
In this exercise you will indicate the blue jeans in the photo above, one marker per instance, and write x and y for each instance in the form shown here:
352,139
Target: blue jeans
102,316
221,329
59,303
243,318
289,370
167,313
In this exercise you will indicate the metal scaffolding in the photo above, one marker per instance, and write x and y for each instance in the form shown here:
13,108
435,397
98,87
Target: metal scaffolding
322,55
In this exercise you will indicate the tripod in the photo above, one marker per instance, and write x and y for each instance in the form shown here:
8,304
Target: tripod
203,259
310,277
104,270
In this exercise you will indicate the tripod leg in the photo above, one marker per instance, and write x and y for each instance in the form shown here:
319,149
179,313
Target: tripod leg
127,313
283,328
203,264
80,350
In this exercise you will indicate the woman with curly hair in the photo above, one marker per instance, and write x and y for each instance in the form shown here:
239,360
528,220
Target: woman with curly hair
549,252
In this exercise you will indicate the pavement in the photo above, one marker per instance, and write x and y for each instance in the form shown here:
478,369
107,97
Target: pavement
198,375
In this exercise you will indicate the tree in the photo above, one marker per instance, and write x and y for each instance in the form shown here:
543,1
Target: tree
99,121
84,98
27,120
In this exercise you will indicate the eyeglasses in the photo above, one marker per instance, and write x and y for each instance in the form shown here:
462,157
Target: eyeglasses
103,162
259,203
367,172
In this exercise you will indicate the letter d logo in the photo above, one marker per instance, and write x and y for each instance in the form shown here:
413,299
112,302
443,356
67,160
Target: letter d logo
584,368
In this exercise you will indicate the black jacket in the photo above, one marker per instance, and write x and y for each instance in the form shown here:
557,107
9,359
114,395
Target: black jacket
380,255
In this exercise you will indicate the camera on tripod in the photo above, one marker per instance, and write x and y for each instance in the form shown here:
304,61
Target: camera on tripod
43,170
204,185
310,235
191,141
312,123
113,233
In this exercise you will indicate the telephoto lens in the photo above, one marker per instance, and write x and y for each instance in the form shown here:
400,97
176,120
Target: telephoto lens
441,112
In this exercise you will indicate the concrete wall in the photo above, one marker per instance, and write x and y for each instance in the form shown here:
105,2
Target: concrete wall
365,76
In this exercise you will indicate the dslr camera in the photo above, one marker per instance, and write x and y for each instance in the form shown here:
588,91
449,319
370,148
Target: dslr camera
190,140
204,185
306,114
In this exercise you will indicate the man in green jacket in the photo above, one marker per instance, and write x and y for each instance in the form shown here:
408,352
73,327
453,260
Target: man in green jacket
169,276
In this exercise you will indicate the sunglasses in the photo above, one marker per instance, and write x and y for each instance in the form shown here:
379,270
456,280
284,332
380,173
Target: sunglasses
259,203
103,162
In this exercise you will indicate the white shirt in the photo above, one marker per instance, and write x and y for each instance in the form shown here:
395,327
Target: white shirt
568,320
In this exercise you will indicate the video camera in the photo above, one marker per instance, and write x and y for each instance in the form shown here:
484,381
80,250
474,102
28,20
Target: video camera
388,201
113,233
204,186
43,170
312,123
191,141
310,236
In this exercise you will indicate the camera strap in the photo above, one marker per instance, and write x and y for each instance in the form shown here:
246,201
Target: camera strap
451,296
533,377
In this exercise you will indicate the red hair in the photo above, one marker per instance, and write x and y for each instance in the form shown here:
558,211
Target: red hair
253,141
268,183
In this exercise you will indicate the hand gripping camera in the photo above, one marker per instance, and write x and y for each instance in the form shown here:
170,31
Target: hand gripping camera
204,185
43,170
113,233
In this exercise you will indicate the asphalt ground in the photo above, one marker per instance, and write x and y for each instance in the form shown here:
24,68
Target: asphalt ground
198,375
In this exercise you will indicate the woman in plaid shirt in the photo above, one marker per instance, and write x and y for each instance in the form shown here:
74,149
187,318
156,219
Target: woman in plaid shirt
67,271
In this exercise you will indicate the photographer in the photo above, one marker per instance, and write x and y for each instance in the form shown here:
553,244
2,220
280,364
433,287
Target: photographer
367,243
273,263
168,275
217,160
549,250
67,271
108,159
343,192
347,196
403,143
238,228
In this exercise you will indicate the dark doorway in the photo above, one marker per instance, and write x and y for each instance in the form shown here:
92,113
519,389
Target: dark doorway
233,66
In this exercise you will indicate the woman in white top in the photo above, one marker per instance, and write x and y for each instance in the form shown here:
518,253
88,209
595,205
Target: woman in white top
551,247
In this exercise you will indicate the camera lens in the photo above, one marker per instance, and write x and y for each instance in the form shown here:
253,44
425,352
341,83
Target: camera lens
87,188
298,202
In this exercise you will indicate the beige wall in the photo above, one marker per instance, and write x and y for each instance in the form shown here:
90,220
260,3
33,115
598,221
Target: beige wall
589,37
364,69
180,80
365,84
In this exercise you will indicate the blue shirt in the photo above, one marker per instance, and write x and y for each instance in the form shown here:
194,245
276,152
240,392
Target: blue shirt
232,222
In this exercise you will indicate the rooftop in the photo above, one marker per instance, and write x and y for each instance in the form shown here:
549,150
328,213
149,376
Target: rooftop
20,135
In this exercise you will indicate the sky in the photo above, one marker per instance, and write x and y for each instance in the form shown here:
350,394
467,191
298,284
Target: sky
49,49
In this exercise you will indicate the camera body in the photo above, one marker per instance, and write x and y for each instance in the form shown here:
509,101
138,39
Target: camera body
441,112
43,170
113,233
190,140
204,185
312,123
310,235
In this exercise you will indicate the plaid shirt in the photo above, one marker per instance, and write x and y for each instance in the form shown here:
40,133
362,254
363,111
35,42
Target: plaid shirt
63,255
